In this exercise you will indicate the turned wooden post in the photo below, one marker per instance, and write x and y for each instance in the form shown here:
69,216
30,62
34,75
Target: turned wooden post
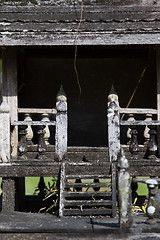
45,118
146,130
152,146
29,133
61,126
130,118
41,143
124,193
133,147
113,126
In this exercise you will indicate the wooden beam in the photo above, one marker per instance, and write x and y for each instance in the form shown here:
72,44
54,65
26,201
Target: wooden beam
158,95
8,195
9,81
9,70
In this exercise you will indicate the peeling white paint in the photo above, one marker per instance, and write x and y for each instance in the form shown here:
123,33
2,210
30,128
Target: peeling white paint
4,24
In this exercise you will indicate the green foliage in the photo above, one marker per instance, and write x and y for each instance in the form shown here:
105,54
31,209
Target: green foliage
51,196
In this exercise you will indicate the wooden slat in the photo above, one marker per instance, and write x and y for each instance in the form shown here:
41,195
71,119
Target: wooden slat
33,123
37,110
85,212
87,26
75,185
138,110
87,176
85,38
30,171
96,8
63,13
89,203
87,194
139,123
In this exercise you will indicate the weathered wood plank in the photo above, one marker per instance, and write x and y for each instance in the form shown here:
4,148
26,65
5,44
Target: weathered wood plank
74,16
33,123
78,3
100,26
71,9
143,167
84,185
62,190
87,176
139,123
87,38
138,110
29,171
85,169
87,194
8,195
85,212
37,110
89,203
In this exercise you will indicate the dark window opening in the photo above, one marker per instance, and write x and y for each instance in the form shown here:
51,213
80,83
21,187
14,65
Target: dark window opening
43,69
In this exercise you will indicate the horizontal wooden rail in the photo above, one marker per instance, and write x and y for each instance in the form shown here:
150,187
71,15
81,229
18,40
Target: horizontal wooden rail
90,185
33,123
90,203
87,176
37,110
87,194
140,123
138,110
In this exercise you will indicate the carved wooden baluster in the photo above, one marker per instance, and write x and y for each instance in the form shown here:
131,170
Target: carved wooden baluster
29,135
130,118
146,130
45,117
134,148
151,207
22,148
41,143
152,147
124,192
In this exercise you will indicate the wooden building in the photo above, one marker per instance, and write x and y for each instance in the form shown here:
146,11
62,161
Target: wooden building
86,46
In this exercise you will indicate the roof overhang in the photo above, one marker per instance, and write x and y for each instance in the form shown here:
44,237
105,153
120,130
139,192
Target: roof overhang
81,25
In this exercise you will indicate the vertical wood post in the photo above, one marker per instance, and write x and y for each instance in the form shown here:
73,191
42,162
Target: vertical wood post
124,193
9,91
113,126
114,192
62,186
158,95
4,132
61,126
9,75
8,195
